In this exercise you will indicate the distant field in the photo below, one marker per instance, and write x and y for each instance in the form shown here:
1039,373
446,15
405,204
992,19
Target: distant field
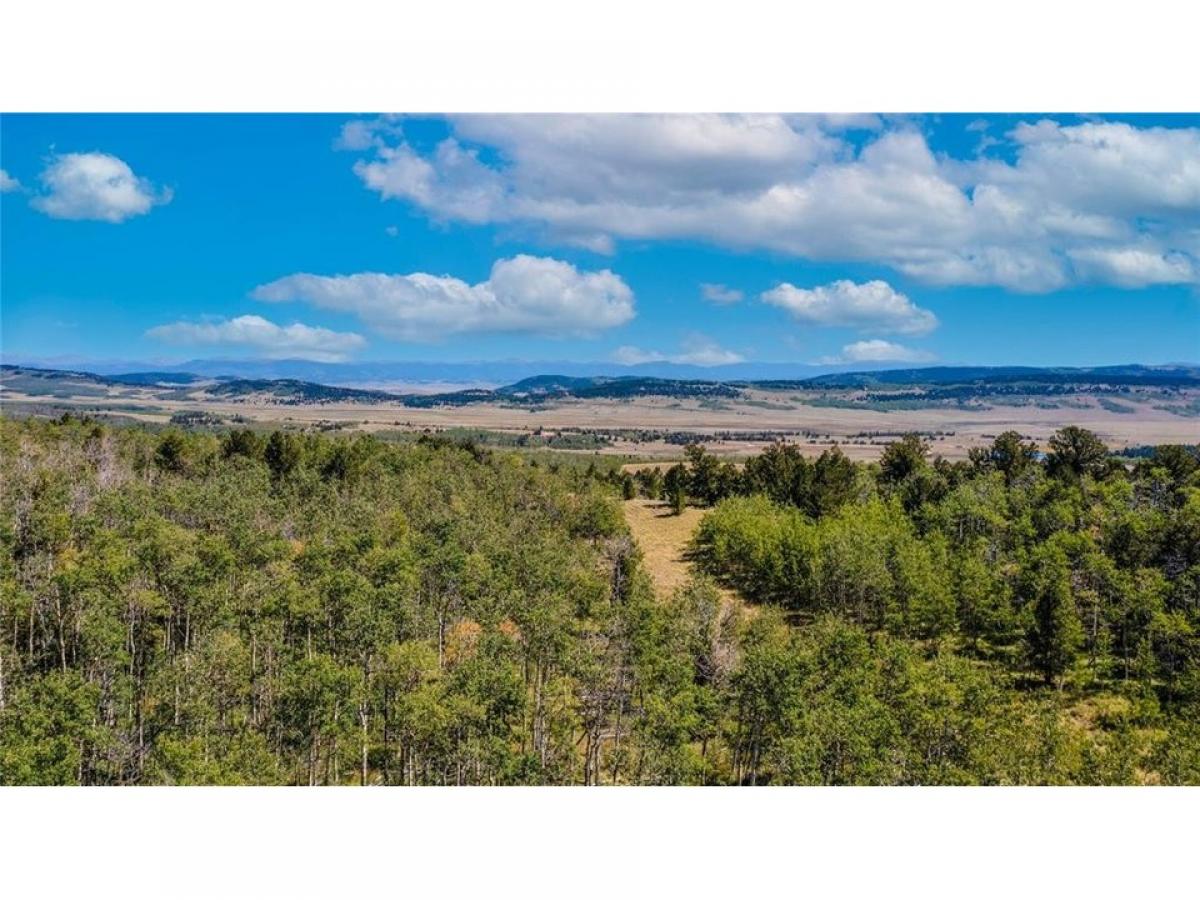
861,432
647,421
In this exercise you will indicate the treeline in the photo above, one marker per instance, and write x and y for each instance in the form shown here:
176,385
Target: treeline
780,472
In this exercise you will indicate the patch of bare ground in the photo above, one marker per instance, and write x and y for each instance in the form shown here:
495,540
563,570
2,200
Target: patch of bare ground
664,539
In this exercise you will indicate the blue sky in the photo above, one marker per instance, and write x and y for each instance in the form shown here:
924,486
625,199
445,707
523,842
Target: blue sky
976,239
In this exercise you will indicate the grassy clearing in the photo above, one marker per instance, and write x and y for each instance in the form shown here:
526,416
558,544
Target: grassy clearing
663,539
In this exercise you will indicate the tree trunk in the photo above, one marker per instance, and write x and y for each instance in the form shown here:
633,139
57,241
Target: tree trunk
362,715
441,639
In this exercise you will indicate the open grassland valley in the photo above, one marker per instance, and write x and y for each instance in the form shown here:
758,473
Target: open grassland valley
215,606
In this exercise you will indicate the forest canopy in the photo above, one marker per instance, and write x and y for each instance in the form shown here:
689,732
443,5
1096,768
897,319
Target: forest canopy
286,608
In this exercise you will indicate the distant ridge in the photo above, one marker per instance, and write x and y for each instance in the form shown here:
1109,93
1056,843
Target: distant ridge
492,373
400,376
1113,375
297,391
946,381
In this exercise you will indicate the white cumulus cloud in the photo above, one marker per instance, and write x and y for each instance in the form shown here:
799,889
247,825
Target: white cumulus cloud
1134,267
798,185
874,306
720,294
695,350
524,294
8,183
295,341
95,186
878,351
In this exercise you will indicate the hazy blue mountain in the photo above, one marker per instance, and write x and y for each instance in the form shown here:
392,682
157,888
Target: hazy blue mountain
939,382
492,373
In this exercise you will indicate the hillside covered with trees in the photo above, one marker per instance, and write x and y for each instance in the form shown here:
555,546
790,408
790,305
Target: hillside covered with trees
241,608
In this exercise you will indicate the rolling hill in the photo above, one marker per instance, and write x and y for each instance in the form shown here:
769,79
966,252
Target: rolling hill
935,383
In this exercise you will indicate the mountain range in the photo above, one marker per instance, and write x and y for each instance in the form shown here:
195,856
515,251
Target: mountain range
944,382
